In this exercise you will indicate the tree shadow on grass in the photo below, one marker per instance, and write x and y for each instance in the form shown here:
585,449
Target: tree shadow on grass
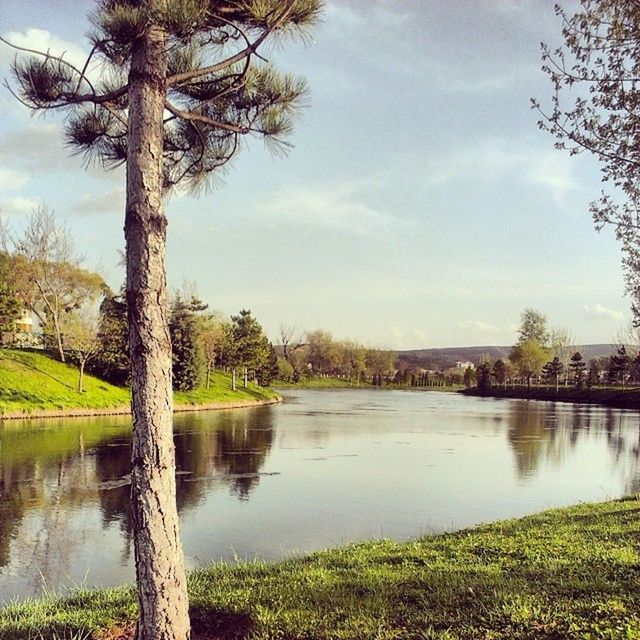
206,624
214,624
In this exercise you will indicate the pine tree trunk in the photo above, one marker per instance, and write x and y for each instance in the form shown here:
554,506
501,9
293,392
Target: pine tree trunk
162,592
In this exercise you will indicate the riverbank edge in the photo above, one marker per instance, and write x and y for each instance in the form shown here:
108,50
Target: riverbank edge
125,410
614,398
571,572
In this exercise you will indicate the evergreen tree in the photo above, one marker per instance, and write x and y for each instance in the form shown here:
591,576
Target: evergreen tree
499,372
111,360
180,88
578,367
619,365
188,360
483,376
10,305
552,371
269,369
250,348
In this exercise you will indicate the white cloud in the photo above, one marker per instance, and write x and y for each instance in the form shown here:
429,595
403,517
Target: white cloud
44,41
600,312
11,180
18,206
37,147
107,202
498,159
338,208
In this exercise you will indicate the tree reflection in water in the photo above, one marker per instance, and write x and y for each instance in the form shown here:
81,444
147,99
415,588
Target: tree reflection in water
68,465
546,432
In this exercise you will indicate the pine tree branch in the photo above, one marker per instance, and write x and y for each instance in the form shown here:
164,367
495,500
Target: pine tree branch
198,117
248,51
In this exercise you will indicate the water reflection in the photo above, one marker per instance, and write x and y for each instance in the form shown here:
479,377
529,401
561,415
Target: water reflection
320,470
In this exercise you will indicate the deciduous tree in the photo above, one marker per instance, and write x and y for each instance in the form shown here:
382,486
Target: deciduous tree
49,278
595,108
80,342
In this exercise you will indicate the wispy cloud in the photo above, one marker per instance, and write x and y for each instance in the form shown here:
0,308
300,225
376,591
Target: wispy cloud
338,208
600,312
18,206
11,180
107,202
500,160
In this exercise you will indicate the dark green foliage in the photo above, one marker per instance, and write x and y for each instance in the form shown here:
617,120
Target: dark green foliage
483,376
187,357
619,364
218,90
111,361
578,367
269,370
499,371
552,370
249,347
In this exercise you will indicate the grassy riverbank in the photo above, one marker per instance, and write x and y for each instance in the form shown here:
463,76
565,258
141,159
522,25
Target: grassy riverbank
610,397
32,383
321,383
566,573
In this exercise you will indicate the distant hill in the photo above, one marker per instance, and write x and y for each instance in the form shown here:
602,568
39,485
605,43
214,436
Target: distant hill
446,357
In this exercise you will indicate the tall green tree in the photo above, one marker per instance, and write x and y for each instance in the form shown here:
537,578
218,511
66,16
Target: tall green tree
187,357
111,360
552,370
619,365
250,348
182,83
529,358
499,372
212,337
533,326
578,367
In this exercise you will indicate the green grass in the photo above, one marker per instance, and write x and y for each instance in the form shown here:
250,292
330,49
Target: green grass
339,383
220,391
320,383
31,381
567,573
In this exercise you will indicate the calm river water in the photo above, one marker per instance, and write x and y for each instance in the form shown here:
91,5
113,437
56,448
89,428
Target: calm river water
322,469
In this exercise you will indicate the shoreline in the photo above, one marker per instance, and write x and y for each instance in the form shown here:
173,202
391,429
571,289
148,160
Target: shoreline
613,398
125,410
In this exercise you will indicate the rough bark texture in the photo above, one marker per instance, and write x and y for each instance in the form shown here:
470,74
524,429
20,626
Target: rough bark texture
160,571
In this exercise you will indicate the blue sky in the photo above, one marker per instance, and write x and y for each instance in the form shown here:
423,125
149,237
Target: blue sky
420,206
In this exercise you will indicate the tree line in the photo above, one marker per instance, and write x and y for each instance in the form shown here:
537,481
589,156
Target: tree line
84,322
550,356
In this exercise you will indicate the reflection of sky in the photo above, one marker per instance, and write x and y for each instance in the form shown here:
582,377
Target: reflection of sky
329,468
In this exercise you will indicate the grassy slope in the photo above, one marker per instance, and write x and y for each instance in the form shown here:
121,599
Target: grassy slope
31,381
567,573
